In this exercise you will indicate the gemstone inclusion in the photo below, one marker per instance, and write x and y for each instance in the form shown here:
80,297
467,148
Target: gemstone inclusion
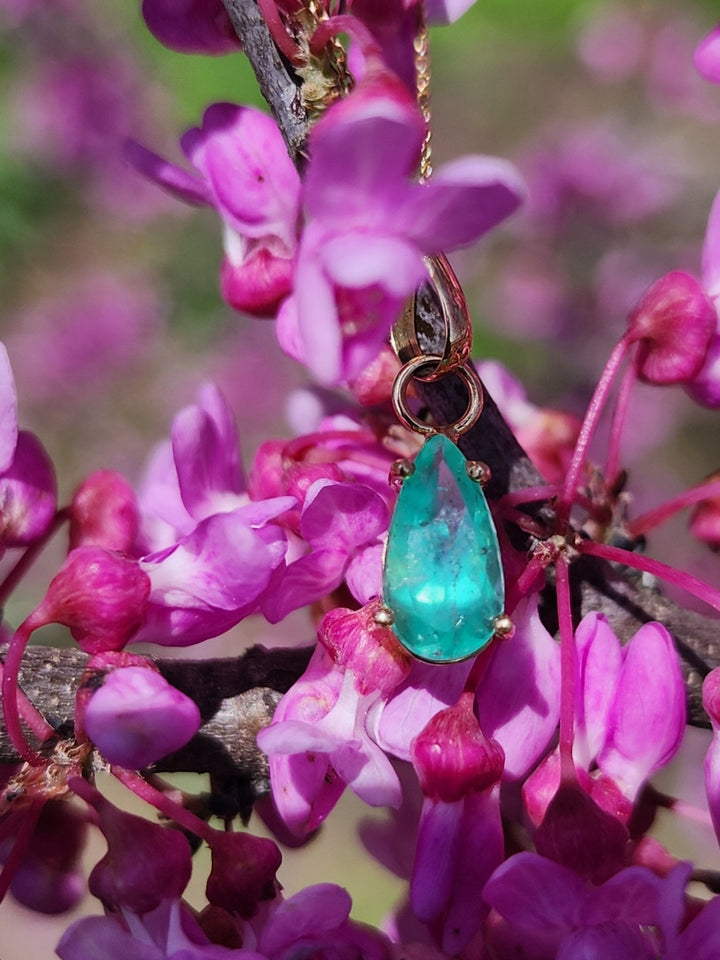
442,577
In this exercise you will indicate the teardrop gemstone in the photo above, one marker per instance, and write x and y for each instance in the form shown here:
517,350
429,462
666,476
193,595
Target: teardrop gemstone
442,577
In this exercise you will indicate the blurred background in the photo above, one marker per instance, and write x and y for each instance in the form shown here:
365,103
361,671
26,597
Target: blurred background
110,305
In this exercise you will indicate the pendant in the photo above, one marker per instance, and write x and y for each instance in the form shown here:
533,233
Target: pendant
442,575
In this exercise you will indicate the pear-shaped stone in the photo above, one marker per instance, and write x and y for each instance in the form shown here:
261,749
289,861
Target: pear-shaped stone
442,577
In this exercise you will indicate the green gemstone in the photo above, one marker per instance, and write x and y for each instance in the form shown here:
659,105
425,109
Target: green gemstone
442,578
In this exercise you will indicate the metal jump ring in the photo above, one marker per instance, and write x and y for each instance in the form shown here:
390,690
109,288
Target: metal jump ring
458,328
466,422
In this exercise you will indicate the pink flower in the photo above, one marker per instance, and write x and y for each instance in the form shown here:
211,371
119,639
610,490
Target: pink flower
369,225
191,26
322,735
548,912
460,838
707,57
212,552
8,411
245,173
136,717
519,706
342,524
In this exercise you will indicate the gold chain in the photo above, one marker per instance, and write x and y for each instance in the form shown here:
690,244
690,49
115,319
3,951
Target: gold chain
421,46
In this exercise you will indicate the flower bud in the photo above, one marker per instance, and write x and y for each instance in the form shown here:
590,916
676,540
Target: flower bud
28,493
145,863
256,285
104,513
453,757
48,878
100,596
242,872
673,325
704,521
373,385
356,642
136,717
705,388
576,833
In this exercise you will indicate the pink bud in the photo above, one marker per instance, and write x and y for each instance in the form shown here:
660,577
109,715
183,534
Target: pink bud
28,493
711,702
100,596
705,388
104,513
48,878
373,385
257,285
453,757
242,873
136,717
356,642
705,519
265,478
576,833
145,862
673,325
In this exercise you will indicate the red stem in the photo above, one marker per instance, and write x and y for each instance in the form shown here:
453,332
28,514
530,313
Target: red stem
658,515
162,802
698,588
30,714
29,556
622,405
10,692
589,424
283,41
530,494
568,774
524,582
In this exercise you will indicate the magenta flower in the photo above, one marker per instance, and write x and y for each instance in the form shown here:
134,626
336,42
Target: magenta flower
212,552
8,411
548,912
705,388
519,706
168,932
322,735
191,26
711,702
460,837
245,173
342,523
707,57
629,716
136,717
369,225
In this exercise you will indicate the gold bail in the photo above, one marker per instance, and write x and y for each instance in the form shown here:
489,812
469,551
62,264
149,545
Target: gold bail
458,328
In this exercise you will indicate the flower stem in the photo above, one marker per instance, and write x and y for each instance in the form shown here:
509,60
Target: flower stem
589,424
617,423
162,802
29,556
698,588
568,774
653,518
10,692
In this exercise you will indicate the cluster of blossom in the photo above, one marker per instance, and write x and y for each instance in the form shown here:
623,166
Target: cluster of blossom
522,774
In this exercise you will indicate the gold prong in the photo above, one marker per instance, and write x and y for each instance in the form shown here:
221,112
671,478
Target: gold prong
504,627
400,471
478,471
384,617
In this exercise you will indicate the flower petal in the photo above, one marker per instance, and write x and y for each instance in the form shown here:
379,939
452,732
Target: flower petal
463,200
